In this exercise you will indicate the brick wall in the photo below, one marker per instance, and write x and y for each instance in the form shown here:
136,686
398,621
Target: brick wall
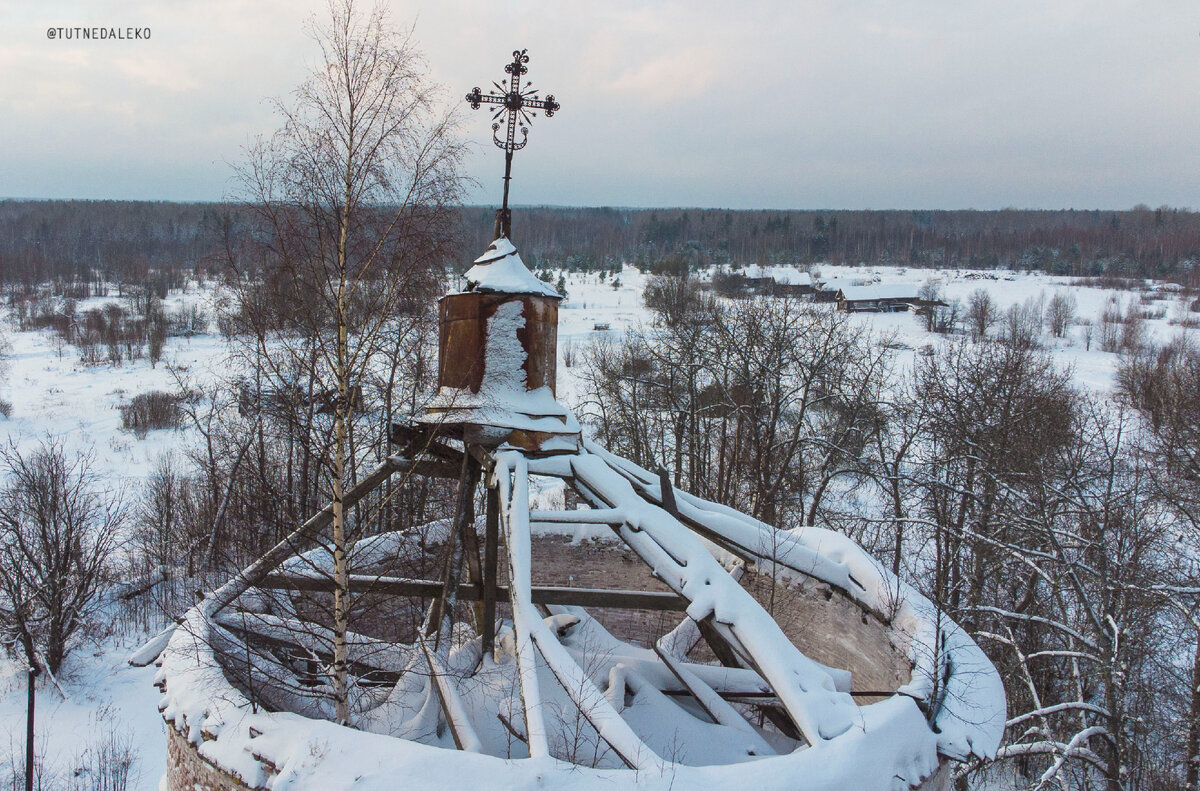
187,771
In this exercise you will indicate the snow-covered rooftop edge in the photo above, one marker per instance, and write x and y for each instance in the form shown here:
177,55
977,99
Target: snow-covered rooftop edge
282,751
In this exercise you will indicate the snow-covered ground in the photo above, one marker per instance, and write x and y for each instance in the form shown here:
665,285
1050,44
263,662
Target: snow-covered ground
594,302
109,709
53,394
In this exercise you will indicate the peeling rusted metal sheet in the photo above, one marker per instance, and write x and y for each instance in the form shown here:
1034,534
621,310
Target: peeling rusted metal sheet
462,339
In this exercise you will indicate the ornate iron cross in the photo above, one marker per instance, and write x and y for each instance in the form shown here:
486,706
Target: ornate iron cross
516,111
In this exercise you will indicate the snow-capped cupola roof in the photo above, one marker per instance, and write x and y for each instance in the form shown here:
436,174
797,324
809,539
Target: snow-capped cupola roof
501,270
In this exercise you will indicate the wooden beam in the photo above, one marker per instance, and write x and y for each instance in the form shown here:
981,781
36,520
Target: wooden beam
491,552
716,707
359,583
733,547
253,574
461,729
464,526
622,599
470,540
663,601
431,468
729,657
687,682
417,441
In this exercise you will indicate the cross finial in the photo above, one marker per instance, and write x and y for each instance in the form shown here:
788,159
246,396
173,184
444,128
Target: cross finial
516,108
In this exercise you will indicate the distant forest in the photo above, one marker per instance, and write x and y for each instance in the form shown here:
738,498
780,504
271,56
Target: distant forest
124,241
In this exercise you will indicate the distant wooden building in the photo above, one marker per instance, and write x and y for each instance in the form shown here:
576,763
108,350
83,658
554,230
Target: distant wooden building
780,281
880,298
828,290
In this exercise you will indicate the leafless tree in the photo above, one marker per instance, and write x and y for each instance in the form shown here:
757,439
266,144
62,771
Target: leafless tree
982,313
355,195
1060,311
765,404
1161,385
1109,326
58,531
1023,323
5,350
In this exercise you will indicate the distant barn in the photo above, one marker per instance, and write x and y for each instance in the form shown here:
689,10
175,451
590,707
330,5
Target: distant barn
827,290
881,298
780,280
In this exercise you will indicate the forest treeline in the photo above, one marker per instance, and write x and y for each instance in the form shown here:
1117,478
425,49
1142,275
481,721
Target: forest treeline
123,241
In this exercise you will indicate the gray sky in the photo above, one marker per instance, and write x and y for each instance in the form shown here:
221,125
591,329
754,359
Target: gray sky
750,104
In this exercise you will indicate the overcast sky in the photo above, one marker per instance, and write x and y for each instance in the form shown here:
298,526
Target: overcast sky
738,104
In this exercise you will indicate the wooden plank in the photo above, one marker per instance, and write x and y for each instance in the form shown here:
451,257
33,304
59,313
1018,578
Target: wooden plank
718,710
623,599
464,525
664,601
253,574
728,656
491,553
461,730
747,554
428,467
686,681
359,583
586,516
470,540
418,441
727,694
586,709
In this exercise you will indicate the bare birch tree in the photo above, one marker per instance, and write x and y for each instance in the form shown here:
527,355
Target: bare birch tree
354,196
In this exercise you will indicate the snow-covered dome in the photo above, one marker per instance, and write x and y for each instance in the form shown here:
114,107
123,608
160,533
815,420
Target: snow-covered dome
501,270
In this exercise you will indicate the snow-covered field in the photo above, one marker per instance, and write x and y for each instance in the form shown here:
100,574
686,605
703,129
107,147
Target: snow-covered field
53,394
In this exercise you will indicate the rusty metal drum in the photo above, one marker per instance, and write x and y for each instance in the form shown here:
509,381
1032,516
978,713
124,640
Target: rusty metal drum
463,336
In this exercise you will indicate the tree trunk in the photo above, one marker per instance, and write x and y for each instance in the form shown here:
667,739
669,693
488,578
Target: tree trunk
1192,771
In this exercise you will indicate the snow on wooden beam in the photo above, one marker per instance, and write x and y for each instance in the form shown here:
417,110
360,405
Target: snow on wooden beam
679,558
734,531
589,700
717,708
511,479
455,713
593,516
491,553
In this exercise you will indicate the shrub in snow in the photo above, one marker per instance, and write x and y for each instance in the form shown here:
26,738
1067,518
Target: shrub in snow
150,411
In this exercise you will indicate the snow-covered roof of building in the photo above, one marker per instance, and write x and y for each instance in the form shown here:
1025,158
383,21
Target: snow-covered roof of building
880,291
785,275
838,283
500,269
